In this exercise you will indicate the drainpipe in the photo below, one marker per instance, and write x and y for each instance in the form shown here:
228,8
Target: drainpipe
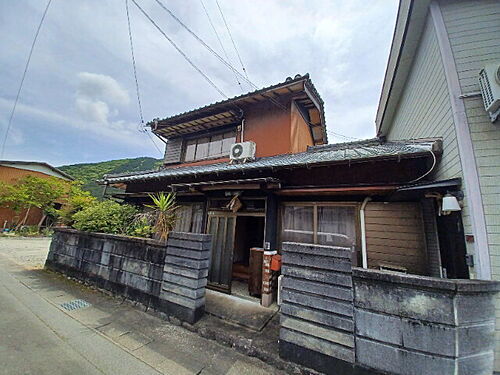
363,232
243,130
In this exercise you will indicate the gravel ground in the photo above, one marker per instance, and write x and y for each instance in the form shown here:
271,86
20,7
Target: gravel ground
28,252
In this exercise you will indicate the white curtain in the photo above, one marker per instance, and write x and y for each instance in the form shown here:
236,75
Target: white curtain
336,226
297,224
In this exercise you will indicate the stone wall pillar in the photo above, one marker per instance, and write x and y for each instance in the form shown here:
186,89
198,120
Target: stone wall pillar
317,327
185,275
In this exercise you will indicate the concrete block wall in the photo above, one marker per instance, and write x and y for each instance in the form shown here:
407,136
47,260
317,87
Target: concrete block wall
317,326
185,275
408,324
142,270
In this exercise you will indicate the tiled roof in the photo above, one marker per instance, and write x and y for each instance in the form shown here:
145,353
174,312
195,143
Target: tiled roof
352,151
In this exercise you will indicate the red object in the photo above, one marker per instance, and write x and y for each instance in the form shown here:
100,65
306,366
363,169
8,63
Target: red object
276,262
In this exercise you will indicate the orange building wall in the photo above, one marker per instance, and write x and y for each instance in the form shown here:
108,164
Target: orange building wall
9,217
300,133
269,127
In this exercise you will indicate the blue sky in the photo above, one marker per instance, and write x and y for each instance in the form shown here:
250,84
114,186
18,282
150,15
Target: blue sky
78,103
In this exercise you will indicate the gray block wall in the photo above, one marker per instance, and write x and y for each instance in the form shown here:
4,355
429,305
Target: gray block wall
185,275
408,324
317,312
170,278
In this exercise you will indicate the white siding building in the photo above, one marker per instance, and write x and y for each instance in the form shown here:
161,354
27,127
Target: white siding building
431,89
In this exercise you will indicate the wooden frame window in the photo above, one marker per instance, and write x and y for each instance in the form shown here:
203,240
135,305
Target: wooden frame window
332,224
214,146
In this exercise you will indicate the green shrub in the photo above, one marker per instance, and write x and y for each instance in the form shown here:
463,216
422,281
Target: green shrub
105,217
28,231
141,227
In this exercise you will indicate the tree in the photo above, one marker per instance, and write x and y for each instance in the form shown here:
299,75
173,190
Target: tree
164,213
76,201
32,191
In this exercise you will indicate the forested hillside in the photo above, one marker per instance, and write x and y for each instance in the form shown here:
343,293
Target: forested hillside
88,173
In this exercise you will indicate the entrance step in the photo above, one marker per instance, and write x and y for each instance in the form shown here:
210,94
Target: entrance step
239,311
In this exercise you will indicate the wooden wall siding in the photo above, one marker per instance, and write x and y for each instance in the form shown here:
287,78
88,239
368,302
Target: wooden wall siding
424,109
474,32
173,151
395,236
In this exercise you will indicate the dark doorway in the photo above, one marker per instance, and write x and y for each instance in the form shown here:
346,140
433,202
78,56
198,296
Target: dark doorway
452,244
249,234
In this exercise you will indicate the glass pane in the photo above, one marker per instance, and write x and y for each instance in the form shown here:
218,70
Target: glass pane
297,224
337,226
202,148
229,140
215,147
190,150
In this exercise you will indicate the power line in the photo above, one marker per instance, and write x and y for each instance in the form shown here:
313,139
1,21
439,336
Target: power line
342,135
22,79
221,59
152,140
180,51
219,39
232,40
141,127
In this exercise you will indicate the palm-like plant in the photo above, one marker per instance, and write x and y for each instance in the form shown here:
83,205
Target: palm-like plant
165,213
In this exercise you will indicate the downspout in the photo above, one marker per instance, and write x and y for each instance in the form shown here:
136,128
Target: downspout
242,130
364,254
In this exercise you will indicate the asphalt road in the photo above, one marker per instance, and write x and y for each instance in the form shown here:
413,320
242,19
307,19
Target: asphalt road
40,333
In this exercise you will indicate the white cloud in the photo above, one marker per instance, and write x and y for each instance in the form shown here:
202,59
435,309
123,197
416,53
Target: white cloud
95,94
101,87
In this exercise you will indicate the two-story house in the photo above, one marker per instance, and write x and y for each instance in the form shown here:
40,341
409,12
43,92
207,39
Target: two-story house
432,89
369,196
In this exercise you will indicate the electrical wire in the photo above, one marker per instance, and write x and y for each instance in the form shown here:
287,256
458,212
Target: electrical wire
141,127
210,49
232,39
180,51
219,39
9,124
434,162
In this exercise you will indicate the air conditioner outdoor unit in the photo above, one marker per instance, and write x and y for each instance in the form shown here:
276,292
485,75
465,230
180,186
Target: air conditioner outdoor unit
242,151
489,82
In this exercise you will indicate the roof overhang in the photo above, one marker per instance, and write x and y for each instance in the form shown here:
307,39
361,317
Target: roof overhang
228,112
410,22
22,164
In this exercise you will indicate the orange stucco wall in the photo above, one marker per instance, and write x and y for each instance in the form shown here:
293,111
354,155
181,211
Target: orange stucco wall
8,217
269,127
300,133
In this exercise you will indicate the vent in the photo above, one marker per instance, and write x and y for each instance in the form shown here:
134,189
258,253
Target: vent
489,82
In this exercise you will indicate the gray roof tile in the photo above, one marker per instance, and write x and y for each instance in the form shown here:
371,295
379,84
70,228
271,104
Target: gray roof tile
352,151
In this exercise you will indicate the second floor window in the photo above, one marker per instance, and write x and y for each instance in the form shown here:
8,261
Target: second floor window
209,147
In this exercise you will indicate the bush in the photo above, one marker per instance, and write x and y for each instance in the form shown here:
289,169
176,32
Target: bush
28,231
105,217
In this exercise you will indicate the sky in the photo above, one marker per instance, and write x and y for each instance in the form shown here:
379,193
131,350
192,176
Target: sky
79,103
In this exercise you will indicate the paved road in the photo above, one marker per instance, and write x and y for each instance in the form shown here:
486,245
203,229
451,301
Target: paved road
38,335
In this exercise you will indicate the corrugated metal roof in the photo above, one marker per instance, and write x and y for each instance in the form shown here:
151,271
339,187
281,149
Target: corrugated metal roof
318,155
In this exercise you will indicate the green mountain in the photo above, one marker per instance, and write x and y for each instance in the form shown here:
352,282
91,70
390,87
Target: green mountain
88,173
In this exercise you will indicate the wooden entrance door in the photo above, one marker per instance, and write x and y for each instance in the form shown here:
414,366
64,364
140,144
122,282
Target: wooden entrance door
221,226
